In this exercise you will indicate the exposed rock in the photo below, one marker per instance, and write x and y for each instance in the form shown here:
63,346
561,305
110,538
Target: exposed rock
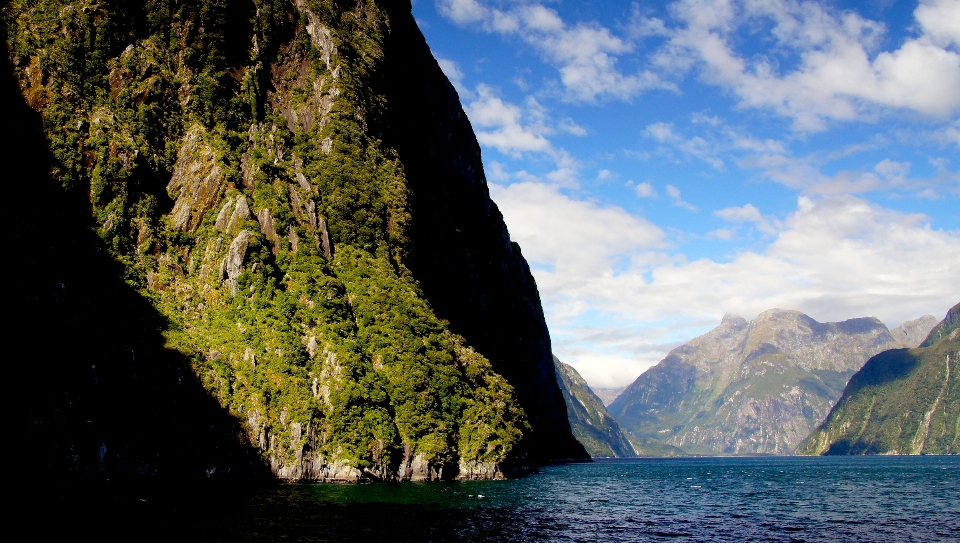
266,227
304,184
325,239
233,263
294,239
118,79
479,471
248,171
196,182
749,387
223,217
241,212
911,333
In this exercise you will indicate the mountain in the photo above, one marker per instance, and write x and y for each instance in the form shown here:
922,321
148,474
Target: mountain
911,333
903,401
256,237
608,395
589,420
755,387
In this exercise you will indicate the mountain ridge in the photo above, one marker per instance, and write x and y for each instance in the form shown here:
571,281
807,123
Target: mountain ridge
903,401
590,422
750,387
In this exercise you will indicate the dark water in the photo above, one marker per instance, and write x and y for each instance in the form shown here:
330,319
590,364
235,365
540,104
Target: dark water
691,499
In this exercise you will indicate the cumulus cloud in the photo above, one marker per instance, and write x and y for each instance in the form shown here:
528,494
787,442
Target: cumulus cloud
585,54
645,190
940,20
613,285
503,126
839,75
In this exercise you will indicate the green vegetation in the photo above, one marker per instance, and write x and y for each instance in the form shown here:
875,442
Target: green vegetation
903,401
223,153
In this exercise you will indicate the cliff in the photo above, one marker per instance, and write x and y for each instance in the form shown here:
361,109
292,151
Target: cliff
591,424
750,387
903,401
275,210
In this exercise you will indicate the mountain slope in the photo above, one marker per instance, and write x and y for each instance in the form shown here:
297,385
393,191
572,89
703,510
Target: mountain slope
903,401
286,196
589,420
749,387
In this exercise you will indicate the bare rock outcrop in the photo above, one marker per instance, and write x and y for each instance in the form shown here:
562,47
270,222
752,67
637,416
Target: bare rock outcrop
750,387
197,181
233,263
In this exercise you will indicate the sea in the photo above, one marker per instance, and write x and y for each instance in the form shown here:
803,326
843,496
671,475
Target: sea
788,499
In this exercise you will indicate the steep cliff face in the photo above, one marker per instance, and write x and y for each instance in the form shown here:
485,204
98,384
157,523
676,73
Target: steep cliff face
293,195
749,387
903,401
591,424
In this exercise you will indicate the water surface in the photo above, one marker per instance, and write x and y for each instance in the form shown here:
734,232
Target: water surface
785,499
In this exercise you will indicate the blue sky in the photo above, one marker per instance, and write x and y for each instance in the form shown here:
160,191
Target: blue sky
664,163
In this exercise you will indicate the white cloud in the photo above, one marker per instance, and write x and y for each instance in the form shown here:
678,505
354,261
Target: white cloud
940,20
887,175
662,132
837,77
833,258
696,146
453,72
674,194
748,214
645,190
501,125
585,54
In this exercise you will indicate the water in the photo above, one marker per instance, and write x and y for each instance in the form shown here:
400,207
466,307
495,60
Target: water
787,499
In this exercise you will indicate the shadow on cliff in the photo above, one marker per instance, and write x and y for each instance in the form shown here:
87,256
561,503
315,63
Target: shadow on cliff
98,395
460,251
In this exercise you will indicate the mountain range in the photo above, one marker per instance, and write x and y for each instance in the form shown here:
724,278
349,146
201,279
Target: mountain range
902,401
757,387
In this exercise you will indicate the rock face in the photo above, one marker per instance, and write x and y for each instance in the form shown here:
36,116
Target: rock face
911,333
294,199
749,387
591,424
903,401
460,250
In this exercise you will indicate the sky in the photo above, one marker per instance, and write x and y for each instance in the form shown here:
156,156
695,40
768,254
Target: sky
662,164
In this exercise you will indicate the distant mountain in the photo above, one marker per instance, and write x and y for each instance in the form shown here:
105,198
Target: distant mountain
608,395
755,387
911,333
903,401
591,424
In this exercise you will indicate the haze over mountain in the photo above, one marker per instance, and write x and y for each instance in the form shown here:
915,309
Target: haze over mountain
590,422
257,236
753,387
903,401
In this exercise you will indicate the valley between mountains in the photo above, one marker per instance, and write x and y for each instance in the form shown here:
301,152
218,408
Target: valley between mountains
784,383
255,240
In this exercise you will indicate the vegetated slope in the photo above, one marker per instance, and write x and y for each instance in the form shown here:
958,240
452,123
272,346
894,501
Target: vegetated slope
589,420
903,401
749,387
240,205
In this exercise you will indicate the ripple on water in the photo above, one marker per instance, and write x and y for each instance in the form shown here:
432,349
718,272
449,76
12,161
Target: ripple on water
868,499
